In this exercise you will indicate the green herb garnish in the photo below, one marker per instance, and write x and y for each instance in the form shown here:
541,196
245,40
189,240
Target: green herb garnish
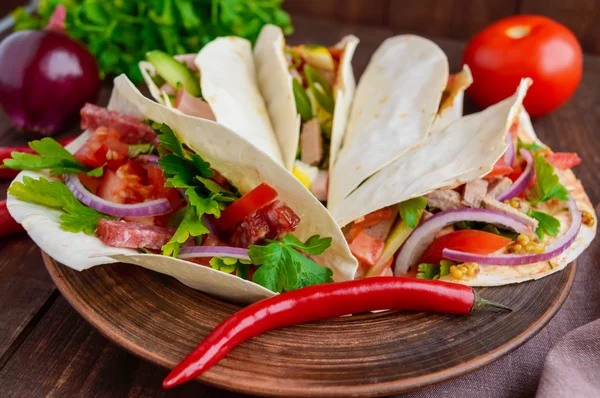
230,265
530,147
546,224
283,267
56,195
547,186
51,156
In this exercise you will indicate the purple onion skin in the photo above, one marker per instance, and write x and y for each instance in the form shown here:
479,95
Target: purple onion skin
45,79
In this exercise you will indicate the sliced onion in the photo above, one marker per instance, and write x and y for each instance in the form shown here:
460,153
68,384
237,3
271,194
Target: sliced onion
552,250
214,251
145,209
524,179
149,159
509,155
425,233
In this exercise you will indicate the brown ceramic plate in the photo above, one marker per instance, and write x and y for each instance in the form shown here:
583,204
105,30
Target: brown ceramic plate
159,319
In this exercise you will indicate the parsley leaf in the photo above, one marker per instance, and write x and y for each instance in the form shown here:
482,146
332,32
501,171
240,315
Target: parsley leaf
51,156
530,147
546,224
230,265
57,195
140,149
547,186
410,210
190,226
282,267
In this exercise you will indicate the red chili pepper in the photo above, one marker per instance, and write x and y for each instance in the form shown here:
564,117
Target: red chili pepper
8,225
5,153
325,301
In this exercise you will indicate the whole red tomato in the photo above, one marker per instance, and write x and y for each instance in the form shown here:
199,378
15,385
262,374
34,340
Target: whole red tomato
525,46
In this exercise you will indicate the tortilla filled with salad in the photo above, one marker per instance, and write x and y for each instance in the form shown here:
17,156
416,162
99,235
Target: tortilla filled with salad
178,195
308,90
481,202
219,83
404,94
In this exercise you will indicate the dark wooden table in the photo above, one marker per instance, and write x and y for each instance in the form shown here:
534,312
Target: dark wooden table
47,349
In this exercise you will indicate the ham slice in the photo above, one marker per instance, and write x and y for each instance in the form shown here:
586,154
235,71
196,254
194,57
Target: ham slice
192,106
311,142
188,60
319,185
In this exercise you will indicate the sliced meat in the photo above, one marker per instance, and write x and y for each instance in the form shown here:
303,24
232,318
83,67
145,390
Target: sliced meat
493,204
426,215
320,185
444,199
498,186
474,193
280,218
130,129
133,235
311,142
167,89
381,230
250,231
192,106
188,60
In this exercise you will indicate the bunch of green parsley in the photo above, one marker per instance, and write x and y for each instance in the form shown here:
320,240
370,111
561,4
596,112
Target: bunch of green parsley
120,32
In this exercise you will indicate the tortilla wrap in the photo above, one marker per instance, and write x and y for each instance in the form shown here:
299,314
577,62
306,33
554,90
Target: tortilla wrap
275,83
394,107
235,158
229,86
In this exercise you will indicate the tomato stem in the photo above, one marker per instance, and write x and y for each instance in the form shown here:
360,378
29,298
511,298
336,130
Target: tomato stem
480,302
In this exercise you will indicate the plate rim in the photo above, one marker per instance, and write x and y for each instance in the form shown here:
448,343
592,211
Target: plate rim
365,390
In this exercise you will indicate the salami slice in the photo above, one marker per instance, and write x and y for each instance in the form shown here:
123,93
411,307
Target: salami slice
250,231
131,129
280,217
133,235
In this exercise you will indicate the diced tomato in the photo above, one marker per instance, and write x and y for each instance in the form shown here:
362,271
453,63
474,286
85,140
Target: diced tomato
516,173
374,218
336,53
500,169
466,240
103,147
158,180
91,183
126,185
366,249
563,160
260,196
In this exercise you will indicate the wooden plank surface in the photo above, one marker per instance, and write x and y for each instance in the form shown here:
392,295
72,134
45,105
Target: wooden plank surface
47,349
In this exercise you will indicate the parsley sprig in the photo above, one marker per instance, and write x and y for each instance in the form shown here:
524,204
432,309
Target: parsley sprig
547,186
547,224
51,156
283,267
187,170
55,194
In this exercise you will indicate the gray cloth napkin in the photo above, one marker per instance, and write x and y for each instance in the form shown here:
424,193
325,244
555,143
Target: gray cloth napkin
563,358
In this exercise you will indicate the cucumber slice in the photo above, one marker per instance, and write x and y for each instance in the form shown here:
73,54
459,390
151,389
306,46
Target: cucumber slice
174,72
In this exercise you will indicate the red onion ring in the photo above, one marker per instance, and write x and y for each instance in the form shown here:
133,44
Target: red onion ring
209,222
214,251
152,208
552,250
509,155
425,233
520,183
148,159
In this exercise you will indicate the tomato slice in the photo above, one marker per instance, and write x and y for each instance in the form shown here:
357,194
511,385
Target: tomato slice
563,160
157,180
366,248
260,196
374,218
500,169
466,240
110,187
103,147
126,185
91,183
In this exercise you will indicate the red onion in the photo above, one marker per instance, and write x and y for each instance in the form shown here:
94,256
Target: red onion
46,78
152,208
148,159
209,222
214,251
552,250
425,233
509,155
520,183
